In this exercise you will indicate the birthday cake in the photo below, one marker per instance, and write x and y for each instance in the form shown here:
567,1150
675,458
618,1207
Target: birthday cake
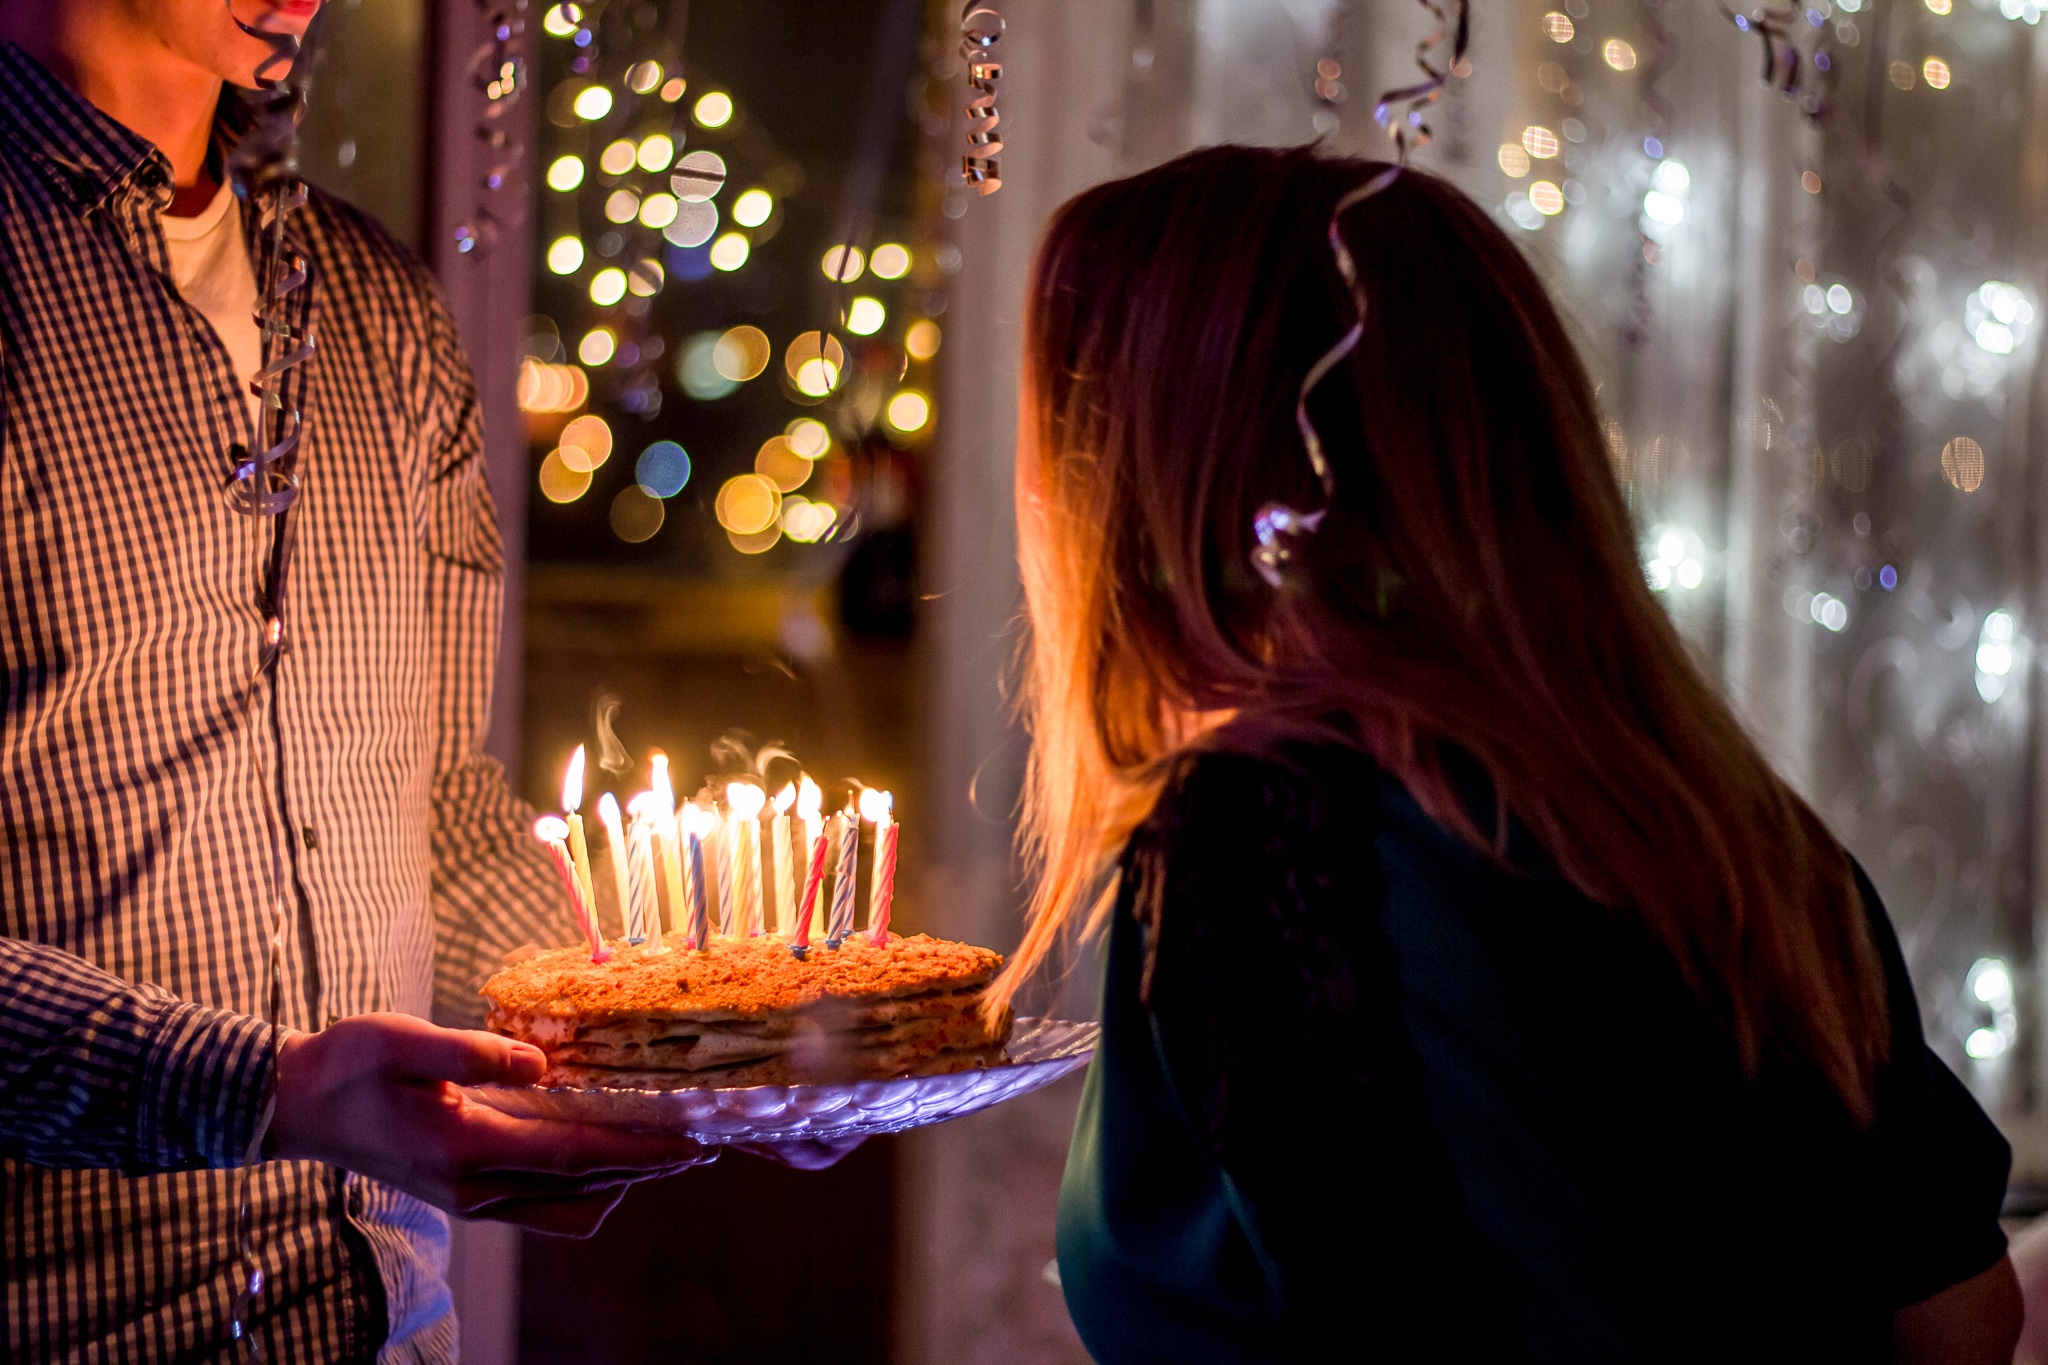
748,1011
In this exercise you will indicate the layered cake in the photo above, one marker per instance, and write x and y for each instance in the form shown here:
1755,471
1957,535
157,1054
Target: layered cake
749,1011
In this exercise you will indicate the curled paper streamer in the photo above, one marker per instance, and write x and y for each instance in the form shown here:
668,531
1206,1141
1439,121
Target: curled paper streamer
1276,527
981,28
498,71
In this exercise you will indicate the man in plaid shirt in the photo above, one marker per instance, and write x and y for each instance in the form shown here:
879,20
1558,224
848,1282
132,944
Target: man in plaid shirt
172,785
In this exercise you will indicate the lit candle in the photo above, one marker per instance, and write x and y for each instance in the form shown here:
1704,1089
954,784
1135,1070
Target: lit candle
875,807
615,843
696,823
744,800
554,832
885,882
667,842
579,851
819,847
842,878
780,827
809,803
640,839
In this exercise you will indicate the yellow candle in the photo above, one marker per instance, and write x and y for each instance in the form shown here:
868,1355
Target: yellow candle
743,828
779,827
579,850
668,843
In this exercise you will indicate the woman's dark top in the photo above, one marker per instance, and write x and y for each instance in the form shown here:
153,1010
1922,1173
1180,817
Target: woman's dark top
1363,1092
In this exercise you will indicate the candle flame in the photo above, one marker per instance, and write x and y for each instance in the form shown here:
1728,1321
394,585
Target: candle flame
645,806
663,791
697,820
552,829
744,800
608,811
809,800
785,798
572,783
875,805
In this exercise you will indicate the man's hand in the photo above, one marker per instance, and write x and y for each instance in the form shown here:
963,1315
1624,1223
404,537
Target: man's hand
379,1094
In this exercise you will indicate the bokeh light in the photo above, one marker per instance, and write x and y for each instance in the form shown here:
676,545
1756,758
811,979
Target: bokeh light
1619,55
1546,198
565,173
807,522
646,278
593,103
741,353
1513,159
922,340
1962,464
586,443
814,363
747,504
559,483
694,223
657,150
642,77
1558,27
729,252
698,176
865,316
753,208
842,263
672,89
607,286
776,462
562,20
908,411
597,346
808,437
761,542
663,469
697,368
658,210
617,159
636,514
565,255
713,109
1539,142
891,261
622,206
1935,72
546,387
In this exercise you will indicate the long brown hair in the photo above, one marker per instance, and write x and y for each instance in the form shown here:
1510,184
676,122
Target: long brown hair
1473,599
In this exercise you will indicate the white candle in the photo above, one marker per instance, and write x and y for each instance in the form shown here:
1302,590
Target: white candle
809,806
668,844
579,850
875,807
554,833
615,844
780,828
744,800
842,877
640,840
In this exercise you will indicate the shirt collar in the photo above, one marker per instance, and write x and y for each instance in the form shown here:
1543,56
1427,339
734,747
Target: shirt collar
88,154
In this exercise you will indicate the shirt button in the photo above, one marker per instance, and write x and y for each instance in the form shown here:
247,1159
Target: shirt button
311,841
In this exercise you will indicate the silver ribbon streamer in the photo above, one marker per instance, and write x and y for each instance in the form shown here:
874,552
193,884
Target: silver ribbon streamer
1276,527
981,28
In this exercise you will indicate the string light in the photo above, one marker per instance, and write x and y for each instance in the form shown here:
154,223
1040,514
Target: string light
565,255
593,102
597,346
747,504
659,210
729,252
891,261
776,462
714,109
908,411
865,316
741,353
753,208
623,206
559,483
842,264
672,89
565,173
922,340
642,77
808,437
617,159
562,20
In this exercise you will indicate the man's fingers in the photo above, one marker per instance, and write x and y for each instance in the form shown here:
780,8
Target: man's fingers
492,1141
574,1217
421,1051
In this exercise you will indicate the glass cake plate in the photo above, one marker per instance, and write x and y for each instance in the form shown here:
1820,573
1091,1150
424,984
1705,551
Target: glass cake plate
1040,1051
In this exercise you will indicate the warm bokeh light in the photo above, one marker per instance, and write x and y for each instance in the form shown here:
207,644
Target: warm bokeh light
1513,159
607,286
807,522
559,483
729,252
657,150
698,176
908,411
616,159
1935,72
891,261
922,340
752,208
1619,54
808,437
658,210
546,387
741,353
713,109
561,20
672,89
565,173
814,362
1546,198
593,103
597,346
622,206
1539,142
760,543
776,462
636,514
586,443
1962,463
1939,6
865,316
565,255
642,77
646,278
747,504
1558,27
842,263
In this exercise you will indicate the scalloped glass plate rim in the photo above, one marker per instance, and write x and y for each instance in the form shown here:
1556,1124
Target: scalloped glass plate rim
1040,1052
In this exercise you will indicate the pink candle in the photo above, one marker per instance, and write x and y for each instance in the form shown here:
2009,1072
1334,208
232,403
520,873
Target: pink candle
811,883
554,832
878,913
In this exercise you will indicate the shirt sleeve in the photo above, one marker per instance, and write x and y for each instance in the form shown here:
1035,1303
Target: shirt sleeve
1942,1161
494,890
1275,1011
96,1072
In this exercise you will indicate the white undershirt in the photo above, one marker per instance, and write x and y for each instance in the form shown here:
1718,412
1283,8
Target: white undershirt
210,266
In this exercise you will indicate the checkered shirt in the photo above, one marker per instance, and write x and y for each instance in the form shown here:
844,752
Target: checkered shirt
147,773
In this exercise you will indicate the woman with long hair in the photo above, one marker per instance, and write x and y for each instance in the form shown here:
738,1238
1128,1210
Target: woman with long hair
1474,985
